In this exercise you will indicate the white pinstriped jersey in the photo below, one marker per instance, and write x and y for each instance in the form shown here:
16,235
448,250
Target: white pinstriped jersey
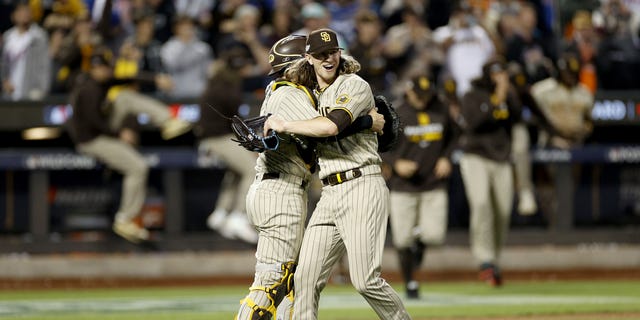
290,104
351,93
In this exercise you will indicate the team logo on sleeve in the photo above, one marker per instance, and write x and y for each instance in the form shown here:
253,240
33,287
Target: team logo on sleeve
343,98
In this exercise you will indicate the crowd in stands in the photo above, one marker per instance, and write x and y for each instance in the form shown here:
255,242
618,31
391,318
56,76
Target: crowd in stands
47,43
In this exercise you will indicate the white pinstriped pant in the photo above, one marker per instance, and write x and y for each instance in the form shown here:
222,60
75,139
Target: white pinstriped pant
278,209
350,217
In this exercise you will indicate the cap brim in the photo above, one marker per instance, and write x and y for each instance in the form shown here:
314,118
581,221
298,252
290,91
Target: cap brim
324,49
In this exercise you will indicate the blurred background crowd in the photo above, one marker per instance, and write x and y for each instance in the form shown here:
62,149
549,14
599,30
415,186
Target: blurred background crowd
47,42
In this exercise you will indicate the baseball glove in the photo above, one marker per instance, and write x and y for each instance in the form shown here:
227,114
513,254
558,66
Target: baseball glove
249,134
392,126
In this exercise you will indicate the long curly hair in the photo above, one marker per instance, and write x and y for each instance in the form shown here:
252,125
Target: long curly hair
301,72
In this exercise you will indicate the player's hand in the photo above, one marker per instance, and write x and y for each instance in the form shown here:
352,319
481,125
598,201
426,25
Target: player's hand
378,121
405,168
442,168
129,136
274,123
164,82
7,86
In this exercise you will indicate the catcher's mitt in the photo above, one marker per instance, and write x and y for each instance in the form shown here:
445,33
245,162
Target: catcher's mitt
392,126
249,134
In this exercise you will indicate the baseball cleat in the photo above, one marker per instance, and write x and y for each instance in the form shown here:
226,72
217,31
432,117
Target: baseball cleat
174,128
237,226
217,219
131,231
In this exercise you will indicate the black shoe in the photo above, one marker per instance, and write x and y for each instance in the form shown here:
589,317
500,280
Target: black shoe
413,290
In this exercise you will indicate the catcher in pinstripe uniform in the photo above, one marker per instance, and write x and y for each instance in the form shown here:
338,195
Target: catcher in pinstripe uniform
351,215
277,199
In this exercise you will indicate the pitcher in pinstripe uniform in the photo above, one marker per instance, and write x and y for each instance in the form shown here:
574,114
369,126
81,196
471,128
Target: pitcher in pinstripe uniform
351,215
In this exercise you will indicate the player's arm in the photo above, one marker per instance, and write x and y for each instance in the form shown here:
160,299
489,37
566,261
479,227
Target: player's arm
318,127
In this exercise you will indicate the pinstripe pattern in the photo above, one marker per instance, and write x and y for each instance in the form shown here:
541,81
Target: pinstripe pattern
350,217
278,207
290,104
356,150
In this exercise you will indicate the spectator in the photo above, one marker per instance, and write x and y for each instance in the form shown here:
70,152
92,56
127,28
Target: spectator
95,125
282,22
342,13
146,48
410,48
467,47
186,59
316,16
528,47
244,37
26,65
617,58
164,14
58,15
584,42
490,109
368,50
224,93
418,184
72,58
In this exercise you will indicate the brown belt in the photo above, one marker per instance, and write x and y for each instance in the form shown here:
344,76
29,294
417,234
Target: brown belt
340,177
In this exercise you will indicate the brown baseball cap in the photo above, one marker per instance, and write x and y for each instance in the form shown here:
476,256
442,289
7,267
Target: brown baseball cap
322,40
422,85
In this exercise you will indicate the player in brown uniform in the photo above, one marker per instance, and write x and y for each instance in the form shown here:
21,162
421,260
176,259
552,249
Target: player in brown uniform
490,109
418,183
351,215
277,199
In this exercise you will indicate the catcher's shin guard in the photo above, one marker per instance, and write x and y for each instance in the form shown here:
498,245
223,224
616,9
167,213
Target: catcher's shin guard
275,294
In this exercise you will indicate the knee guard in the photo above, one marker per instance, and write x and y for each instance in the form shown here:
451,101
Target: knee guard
275,294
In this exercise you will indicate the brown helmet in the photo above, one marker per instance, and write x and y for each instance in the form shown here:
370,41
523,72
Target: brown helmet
285,51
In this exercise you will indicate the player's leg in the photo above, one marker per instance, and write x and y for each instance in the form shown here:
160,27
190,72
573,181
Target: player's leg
131,102
278,209
475,171
433,217
362,220
123,158
321,248
522,164
503,192
232,197
403,216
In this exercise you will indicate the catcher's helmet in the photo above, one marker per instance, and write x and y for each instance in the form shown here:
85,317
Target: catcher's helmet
285,51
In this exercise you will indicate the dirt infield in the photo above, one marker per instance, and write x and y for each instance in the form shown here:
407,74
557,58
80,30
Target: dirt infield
538,275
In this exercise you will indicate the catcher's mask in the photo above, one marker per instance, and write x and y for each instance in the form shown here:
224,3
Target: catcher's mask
285,51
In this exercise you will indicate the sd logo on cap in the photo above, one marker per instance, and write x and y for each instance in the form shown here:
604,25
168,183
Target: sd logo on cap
322,40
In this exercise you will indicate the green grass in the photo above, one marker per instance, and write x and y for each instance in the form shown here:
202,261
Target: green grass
439,300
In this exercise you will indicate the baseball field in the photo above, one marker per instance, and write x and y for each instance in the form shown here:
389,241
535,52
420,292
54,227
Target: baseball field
559,300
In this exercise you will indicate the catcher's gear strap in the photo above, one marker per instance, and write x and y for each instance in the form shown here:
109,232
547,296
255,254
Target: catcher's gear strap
257,312
311,96
275,293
